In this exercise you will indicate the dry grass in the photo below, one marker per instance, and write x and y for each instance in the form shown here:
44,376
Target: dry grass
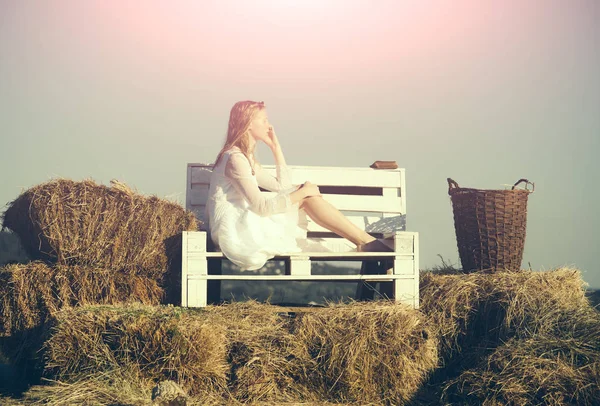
367,352
248,353
559,367
122,388
237,353
261,354
83,223
489,306
30,293
477,312
481,338
155,342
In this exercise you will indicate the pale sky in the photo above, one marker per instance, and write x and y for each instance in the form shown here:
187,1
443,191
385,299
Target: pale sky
485,92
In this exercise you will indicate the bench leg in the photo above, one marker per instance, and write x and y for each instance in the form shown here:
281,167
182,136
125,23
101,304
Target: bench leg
406,290
197,288
194,268
299,265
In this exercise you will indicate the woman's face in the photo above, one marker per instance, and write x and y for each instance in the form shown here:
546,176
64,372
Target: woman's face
259,126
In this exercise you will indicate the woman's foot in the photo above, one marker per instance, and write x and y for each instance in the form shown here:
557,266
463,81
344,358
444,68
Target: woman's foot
377,245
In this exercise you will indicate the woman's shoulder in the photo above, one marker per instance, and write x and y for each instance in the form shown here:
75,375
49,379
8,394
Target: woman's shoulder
237,160
236,154
233,149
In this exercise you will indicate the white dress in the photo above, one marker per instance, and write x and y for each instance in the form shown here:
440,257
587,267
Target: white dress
248,225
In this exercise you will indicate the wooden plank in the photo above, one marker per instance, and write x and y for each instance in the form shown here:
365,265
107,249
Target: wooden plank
197,268
299,266
197,292
391,192
199,174
404,242
404,292
184,270
188,196
200,186
370,204
343,176
315,167
404,267
417,277
196,242
196,281
403,188
333,256
334,176
370,222
328,244
375,204
355,277
198,196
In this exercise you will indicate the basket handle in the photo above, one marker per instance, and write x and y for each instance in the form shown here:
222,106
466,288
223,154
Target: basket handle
526,184
452,185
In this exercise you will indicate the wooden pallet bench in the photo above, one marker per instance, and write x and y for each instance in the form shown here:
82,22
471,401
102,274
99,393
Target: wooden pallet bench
373,199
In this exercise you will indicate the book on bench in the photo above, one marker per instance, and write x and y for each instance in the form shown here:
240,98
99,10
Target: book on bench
384,165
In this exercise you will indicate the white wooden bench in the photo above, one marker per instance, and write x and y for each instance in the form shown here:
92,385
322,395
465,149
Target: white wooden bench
373,199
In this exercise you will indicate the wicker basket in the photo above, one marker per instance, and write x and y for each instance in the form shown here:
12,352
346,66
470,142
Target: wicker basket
490,225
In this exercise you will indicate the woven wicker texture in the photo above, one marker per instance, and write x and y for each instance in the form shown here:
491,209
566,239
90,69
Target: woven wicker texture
490,226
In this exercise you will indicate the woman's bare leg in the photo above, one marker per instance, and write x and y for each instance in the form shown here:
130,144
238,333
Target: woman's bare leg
326,215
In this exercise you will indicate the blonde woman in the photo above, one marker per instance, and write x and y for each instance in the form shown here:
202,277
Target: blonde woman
248,225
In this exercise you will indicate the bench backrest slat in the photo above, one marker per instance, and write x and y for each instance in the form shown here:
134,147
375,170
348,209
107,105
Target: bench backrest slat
373,199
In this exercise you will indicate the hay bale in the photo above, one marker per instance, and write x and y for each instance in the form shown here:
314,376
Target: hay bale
30,293
242,352
556,368
474,313
83,223
26,296
262,354
247,352
484,306
367,352
155,342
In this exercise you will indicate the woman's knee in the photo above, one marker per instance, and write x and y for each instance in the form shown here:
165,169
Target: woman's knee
307,201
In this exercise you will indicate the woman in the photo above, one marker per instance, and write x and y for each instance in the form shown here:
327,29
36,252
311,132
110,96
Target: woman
250,226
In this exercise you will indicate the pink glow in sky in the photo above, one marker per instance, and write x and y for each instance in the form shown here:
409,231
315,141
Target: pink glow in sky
343,41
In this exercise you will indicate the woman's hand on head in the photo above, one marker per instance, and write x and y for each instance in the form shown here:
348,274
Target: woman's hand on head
272,141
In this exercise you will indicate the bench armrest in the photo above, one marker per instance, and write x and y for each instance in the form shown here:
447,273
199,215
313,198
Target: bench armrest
405,242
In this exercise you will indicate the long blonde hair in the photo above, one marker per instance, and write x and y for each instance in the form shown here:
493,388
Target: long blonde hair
241,115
